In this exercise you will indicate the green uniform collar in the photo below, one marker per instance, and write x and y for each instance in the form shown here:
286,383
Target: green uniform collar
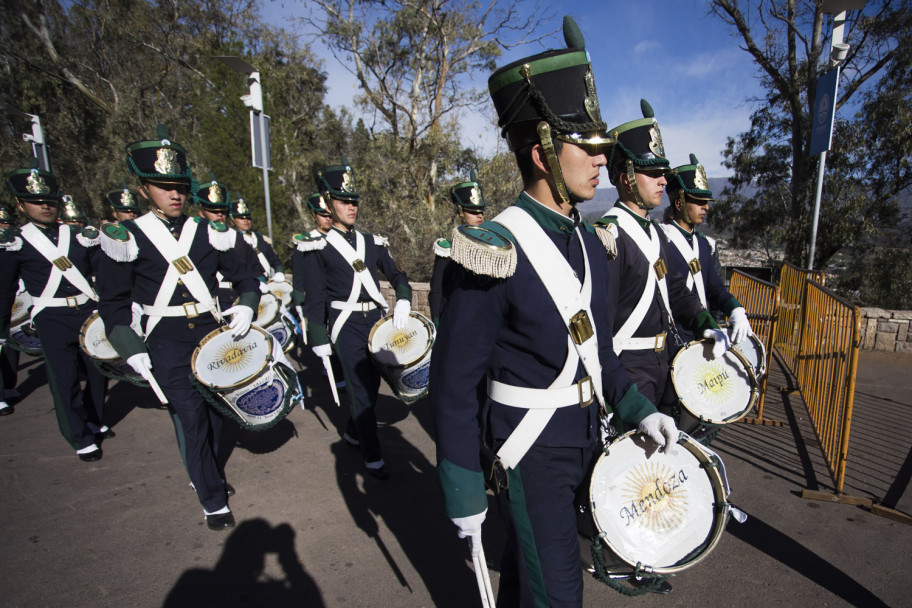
687,234
644,222
549,219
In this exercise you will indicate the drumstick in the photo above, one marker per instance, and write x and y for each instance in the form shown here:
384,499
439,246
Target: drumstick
147,375
483,578
332,380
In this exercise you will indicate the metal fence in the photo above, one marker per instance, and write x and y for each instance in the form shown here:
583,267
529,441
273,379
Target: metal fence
793,286
761,301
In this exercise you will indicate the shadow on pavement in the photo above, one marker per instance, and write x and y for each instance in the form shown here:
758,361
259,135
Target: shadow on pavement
238,577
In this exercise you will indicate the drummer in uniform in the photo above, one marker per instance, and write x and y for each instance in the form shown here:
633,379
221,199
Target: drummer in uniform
693,253
242,218
338,273
56,263
648,296
167,262
9,357
526,312
469,205
123,203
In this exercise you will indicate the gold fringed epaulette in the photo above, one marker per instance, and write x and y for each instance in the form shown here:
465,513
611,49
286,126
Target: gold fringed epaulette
308,242
442,248
117,242
606,235
221,237
483,251
381,240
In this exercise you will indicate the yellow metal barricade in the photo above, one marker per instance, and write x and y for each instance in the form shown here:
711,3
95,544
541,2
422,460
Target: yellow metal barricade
761,301
827,363
793,285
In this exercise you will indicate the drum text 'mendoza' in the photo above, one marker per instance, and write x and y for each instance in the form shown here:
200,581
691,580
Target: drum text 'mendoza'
661,491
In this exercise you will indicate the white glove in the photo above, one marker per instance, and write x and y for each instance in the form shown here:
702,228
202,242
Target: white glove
722,343
240,322
470,527
279,276
323,350
141,364
740,326
263,288
661,429
401,313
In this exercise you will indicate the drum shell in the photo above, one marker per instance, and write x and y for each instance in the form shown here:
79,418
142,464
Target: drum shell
94,342
282,290
268,310
754,353
659,510
408,379
283,330
732,375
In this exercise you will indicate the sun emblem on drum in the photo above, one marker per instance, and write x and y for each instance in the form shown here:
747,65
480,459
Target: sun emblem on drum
399,342
655,497
713,382
234,356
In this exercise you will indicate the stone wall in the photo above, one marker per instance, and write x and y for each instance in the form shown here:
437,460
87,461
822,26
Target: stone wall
886,330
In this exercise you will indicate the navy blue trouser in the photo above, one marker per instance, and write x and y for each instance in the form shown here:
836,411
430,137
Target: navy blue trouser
197,425
362,380
78,410
541,565
9,368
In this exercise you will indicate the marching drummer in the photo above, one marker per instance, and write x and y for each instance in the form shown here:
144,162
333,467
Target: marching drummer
167,262
56,264
647,295
526,312
9,357
242,217
469,205
693,254
338,273
123,204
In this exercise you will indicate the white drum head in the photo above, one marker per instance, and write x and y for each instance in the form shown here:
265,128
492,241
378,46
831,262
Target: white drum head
717,391
401,347
755,353
282,290
224,362
657,509
268,310
94,341
21,308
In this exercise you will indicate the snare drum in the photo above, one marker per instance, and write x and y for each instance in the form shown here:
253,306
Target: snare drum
755,353
22,309
715,391
657,512
94,342
267,311
22,335
283,331
282,290
404,355
240,377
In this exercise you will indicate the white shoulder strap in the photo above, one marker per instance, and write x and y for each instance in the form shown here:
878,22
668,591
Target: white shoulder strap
690,253
61,266
355,258
253,241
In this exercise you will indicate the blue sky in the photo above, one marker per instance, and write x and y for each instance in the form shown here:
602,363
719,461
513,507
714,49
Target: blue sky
670,52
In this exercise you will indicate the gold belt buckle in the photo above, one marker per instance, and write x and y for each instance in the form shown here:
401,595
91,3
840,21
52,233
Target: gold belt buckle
358,265
580,327
190,310
62,263
659,343
694,266
72,301
587,381
660,268
183,265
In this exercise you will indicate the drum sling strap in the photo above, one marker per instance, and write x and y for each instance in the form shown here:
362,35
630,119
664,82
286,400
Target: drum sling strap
61,267
176,253
253,240
650,248
573,302
361,277
695,276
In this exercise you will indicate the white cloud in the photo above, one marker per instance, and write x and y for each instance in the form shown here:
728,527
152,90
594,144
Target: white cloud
647,46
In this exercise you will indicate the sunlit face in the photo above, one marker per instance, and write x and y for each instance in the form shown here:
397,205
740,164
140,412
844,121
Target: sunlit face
651,186
121,216
214,215
346,213
40,212
243,222
580,166
472,218
323,222
167,199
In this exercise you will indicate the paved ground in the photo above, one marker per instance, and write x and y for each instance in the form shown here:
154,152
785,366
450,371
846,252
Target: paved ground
314,531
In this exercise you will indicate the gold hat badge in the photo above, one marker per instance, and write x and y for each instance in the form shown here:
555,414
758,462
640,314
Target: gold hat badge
35,184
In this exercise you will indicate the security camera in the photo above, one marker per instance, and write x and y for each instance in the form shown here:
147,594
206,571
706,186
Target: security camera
839,53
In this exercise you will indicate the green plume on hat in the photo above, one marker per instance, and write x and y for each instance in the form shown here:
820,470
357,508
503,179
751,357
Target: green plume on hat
647,110
693,159
573,36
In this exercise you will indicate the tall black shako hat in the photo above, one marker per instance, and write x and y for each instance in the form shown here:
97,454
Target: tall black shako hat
72,211
34,185
240,208
123,200
639,148
551,94
337,182
468,194
689,182
213,195
317,204
160,161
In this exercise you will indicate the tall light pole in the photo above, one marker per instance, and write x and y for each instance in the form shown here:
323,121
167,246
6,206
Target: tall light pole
261,155
825,104
39,146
